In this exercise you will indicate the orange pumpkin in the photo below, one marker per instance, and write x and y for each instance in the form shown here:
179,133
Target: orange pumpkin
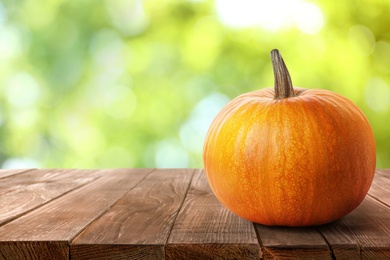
290,157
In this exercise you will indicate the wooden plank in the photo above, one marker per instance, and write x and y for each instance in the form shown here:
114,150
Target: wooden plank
18,181
60,220
292,243
207,230
115,251
9,172
36,250
383,172
144,216
380,187
362,234
32,195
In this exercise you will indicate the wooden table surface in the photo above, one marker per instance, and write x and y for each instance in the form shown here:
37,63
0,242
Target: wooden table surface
166,214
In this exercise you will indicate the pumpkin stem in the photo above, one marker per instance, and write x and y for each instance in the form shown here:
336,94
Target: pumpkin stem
283,85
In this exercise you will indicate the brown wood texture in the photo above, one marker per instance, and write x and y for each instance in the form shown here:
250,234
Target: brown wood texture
37,188
365,232
166,214
143,216
8,172
62,219
380,186
292,243
207,230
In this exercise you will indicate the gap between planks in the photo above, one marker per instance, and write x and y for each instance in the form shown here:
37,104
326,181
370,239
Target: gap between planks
60,220
139,223
181,205
111,206
205,228
24,195
350,246
4,173
274,243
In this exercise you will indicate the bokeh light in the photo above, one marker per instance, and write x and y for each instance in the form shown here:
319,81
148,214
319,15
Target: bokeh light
271,15
135,83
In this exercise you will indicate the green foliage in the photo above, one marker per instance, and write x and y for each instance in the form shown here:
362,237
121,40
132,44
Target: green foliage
130,83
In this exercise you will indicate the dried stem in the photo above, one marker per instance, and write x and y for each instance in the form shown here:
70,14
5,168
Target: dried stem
283,85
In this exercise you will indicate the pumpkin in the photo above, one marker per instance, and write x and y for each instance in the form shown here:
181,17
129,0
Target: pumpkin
290,156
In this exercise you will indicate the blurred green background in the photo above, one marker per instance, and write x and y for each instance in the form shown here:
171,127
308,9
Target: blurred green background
130,83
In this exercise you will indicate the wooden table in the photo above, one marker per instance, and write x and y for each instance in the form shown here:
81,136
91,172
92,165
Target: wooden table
166,213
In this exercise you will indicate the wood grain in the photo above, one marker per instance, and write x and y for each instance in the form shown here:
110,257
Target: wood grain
32,195
9,172
31,177
292,243
207,230
383,172
380,186
364,233
144,216
166,214
62,219
115,251
36,250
